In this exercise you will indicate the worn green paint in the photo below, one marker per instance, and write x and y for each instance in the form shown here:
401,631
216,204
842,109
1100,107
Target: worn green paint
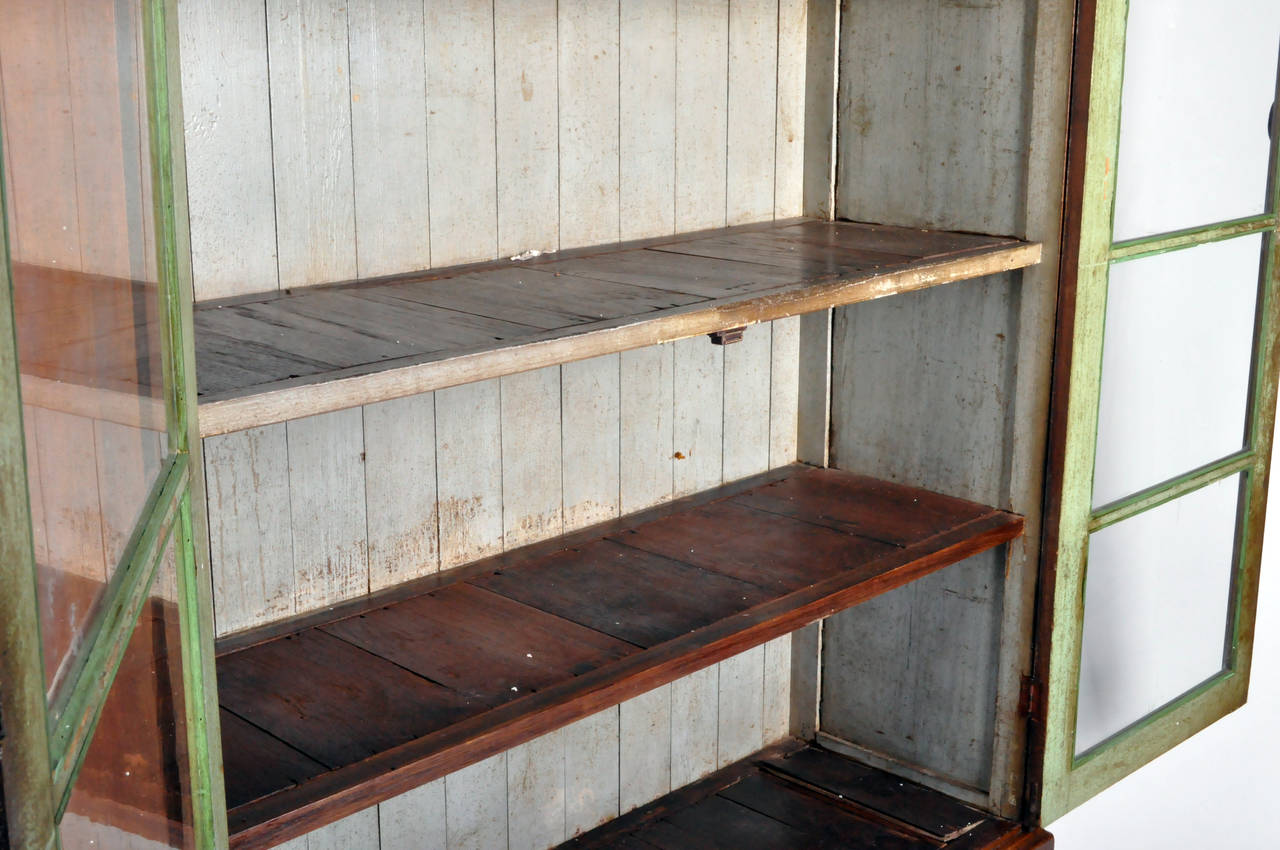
28,797
1070,779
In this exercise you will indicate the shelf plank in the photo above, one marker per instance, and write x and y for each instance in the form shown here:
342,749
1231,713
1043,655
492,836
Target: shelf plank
408,334
411,684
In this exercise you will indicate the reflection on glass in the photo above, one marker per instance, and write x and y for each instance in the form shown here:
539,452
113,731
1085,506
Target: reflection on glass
1175,364
133,790
1157,600
80,228
1199,79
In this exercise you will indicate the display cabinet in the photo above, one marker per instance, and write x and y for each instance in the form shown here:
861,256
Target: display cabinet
676,424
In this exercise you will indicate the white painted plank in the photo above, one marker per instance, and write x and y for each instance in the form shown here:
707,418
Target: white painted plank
129,460
469,471
226,105
460,131
535,793
389,136
646,749
694,725
354,832
327,508
588,122
531,492
528,161
400,489
648,413
35,487
647,118
299,843
414,819
741,706
784,391
702,84
73,512
591,771
311,141
747,367
698,368
476,805
775,721
590,404
250,545
793,49
752,115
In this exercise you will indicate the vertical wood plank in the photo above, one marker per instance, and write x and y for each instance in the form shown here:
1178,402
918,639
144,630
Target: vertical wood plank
226,105
129,461
806,679
646,749
535,793
35,487
354,832
784,391
68,457
747,396
476,805
590,406
460,131
527,131
469,471
389,136
327,508
788,157
588,122
752,112
741,708
775,721
647,118
414,819
400,489
647,405
250,545
694,725
702,84
591,771
813,413
531,491
698,368
311,141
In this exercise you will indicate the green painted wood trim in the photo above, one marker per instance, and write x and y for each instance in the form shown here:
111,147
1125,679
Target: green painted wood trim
195,584
77,715
28,795
1167,491
1148,246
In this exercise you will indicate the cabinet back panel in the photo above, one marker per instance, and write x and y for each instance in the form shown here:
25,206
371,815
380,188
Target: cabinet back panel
333,141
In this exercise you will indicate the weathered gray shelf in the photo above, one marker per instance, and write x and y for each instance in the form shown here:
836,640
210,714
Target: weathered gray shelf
266,359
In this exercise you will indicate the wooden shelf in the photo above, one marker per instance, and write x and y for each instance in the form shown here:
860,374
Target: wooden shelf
797,796
328,714
270,358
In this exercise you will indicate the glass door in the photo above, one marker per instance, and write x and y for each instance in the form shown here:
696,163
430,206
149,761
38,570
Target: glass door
1168,376
107,654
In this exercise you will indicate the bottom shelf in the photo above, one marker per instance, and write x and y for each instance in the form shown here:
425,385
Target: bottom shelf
336,711
801,796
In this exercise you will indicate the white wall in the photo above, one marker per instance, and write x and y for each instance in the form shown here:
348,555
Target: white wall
1218,789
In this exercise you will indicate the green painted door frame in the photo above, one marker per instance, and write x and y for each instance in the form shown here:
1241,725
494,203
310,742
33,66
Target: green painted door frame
1064,778
46,739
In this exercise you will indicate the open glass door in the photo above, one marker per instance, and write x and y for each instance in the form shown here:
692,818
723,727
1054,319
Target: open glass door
105,646
1165,384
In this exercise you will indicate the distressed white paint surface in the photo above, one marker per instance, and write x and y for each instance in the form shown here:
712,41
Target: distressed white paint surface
531,492
469,472
414,819
400,489
647,118
591,771
747,367
648,417
699,415
590,406
694,725
741,708
535,793
752,110
702,90
645,747
476,805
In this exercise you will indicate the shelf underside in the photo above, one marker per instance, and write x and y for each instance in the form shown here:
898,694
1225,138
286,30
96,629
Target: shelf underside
295,353
795,796
328,714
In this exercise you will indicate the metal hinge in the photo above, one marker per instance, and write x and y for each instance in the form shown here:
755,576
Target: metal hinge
1030,697
727,336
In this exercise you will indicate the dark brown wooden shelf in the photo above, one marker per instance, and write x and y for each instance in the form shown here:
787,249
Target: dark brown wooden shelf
327,714
264,359
798,796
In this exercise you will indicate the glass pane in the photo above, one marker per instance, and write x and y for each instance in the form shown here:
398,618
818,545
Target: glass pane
1199,79
1175,364
133,790
73,115
1156,606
